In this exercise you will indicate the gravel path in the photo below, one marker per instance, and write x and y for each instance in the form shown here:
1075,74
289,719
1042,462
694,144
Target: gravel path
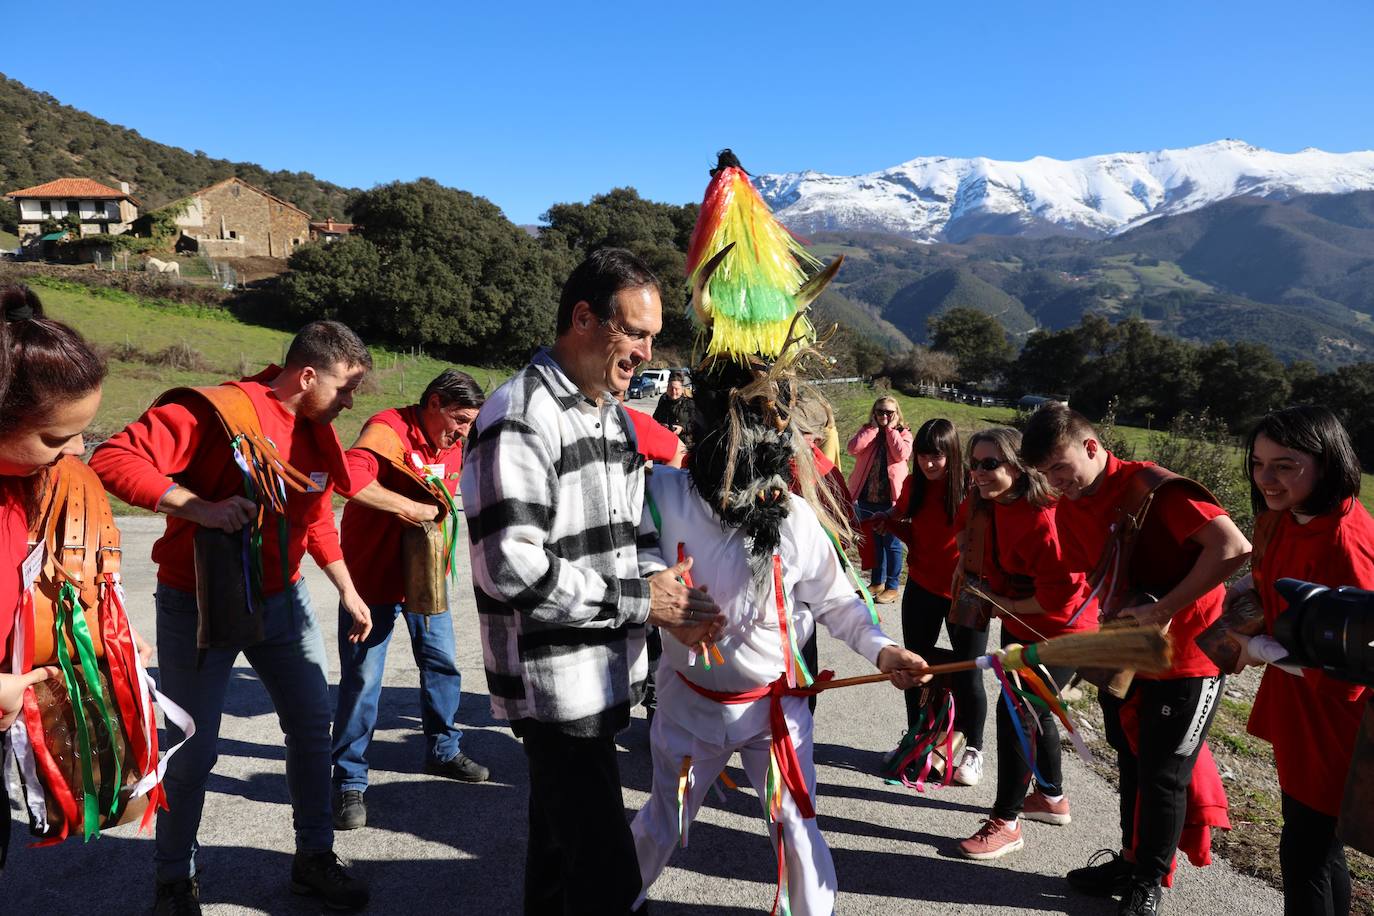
441,847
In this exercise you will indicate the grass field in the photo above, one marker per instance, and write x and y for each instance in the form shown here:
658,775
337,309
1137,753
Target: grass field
8,241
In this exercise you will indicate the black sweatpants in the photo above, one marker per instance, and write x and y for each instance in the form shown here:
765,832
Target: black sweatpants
1175,716
581,859
1316,879
922,614
1013,768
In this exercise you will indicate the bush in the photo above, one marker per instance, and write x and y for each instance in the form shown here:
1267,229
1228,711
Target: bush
1199,447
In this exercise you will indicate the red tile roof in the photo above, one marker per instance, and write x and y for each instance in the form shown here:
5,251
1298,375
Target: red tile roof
74,188
331,226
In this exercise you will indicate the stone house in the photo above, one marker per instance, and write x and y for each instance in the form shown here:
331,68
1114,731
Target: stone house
234,219
330,231
102,209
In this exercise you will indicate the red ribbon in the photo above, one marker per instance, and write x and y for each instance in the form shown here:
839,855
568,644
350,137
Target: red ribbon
55,786
789,767
120,654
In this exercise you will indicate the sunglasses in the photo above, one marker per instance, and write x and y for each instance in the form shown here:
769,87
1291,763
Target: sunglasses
884,413
986,464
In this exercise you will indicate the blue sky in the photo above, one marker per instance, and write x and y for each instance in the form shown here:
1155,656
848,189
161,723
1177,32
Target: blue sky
529,104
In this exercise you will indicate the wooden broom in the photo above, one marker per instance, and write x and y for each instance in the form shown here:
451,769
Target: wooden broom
1114,646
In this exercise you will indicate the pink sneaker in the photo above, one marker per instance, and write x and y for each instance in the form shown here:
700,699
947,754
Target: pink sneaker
993,840
1040,808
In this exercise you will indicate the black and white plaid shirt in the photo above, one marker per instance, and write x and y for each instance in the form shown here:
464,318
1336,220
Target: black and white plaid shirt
553,489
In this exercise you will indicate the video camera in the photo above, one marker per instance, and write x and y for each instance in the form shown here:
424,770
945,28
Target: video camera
1328,628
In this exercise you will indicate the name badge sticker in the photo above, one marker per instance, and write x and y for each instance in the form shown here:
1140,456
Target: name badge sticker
33,565
436,470
319,480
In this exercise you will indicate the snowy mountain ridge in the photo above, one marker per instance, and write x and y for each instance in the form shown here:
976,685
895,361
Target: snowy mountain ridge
945,199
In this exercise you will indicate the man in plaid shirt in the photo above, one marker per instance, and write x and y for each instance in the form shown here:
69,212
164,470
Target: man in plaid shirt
553,490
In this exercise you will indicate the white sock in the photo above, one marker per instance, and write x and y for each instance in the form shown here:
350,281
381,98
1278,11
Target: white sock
1011,824
1052,799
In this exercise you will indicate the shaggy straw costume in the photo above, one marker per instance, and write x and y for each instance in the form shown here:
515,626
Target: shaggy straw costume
763,553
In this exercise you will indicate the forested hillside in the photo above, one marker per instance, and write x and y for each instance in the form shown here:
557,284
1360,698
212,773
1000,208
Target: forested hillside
42,139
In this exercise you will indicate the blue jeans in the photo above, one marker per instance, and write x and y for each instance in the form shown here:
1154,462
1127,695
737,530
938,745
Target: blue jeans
290,662
360,687
887,548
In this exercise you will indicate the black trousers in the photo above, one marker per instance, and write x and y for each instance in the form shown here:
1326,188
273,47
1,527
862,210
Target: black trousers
653,641
581,859
1175,716
922,614
1316,879
1013,768
811,655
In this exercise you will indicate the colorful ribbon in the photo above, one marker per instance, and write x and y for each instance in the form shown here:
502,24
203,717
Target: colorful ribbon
1008,695
854,577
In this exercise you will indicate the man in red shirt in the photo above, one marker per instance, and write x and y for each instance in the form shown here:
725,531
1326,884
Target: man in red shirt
178,459
1187,549
429,437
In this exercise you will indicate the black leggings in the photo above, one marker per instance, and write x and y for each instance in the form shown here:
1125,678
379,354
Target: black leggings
922,614
1013,769
1316,879
1175,716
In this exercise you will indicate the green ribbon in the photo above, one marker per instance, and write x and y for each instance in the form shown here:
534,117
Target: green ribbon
85,647
66,601
450,524
855,578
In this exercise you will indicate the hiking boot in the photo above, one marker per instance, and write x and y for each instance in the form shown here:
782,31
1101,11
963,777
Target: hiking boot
462,768
178,898
876,591
993,840
1039,808
969,772
1142,898
1107,874
350,811
888,596
322,875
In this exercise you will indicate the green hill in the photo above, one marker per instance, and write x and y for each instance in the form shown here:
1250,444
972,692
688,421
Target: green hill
42,139
914,304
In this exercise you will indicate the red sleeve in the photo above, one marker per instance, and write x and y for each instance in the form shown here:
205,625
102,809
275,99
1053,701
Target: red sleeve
1056,587
136,463
1181,515
900,517
321,534
656,441
362,468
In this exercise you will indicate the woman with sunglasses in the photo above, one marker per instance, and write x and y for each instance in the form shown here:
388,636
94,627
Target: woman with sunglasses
928,518
1309,525
882,447
1030,586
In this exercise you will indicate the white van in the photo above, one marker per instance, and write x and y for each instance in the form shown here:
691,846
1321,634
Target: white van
653,383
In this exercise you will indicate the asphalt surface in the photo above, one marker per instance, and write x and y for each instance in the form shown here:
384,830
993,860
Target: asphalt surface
434,846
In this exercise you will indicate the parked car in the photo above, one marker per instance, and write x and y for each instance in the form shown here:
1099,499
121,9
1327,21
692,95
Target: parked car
653,383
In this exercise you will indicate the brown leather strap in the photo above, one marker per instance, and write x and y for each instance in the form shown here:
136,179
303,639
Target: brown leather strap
384,442
978,526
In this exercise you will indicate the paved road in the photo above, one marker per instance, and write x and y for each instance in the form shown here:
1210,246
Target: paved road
440,847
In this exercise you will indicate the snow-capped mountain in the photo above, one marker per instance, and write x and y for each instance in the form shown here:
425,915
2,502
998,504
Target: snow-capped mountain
942,199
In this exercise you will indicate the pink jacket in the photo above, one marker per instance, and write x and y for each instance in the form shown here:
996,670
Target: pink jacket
864,446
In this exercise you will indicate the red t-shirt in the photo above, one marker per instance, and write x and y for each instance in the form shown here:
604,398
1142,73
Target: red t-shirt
14,547
182,442
1027,544
929,534
372,538
655,441
1163,554
1312,721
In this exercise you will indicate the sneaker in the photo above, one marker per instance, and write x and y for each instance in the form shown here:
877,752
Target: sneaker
1039,808
1107,874
178,898
889,596
322,874
1142,898
969,772
993,840
462,768
350,811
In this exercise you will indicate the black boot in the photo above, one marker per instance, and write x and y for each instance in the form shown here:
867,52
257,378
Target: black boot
322,874
1142,898
178,898
350,811
1107,874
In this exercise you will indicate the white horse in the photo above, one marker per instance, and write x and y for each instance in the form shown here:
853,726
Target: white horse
154,266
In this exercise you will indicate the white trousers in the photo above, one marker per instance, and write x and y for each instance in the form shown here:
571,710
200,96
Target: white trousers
810,870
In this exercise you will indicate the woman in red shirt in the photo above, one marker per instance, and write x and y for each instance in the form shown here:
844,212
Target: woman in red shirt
1303,468
1038,597
928,517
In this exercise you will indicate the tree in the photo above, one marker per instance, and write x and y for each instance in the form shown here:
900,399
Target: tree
434,266
657,232
921,366
975,339
1347,393
1241,382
